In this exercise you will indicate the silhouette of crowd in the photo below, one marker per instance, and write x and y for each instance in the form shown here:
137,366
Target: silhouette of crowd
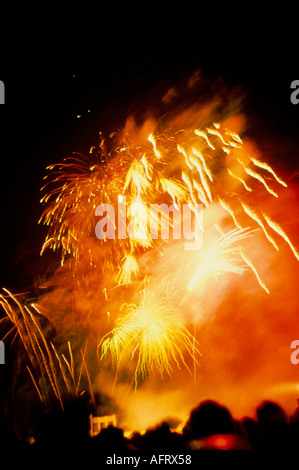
210,426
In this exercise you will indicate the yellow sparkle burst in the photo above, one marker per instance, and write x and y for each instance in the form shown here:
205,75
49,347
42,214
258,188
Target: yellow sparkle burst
151,334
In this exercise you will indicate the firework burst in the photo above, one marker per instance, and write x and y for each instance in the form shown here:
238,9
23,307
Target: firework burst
192,159
153,333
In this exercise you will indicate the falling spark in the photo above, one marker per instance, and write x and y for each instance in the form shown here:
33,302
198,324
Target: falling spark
218,134
202,178
35,384
265,166
258,177
200,156
228,209
281,232
251,265
257,219
235,136
151,139
183,152
204,135
239,179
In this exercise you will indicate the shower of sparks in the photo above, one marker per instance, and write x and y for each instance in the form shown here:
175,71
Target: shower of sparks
40,352
153,333
182,164
223,256
179,172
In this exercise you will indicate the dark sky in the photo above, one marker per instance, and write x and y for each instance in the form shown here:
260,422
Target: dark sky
119,52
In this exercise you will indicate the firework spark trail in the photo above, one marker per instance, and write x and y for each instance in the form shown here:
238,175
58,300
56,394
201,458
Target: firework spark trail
88,376
200,156
23,332
39,352
239,179
35,384
61,367
281,232
251,265
83,365
257,219
29,339
266,167
201,133
52,374
151,139
257,176
230,211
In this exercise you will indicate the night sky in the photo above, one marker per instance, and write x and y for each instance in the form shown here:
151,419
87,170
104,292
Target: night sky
60,61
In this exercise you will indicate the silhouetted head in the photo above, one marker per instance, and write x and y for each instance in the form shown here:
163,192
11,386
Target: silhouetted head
209,418
110,438
159,437
269,412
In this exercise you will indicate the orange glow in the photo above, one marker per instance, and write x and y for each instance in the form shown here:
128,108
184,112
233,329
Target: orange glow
186,324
